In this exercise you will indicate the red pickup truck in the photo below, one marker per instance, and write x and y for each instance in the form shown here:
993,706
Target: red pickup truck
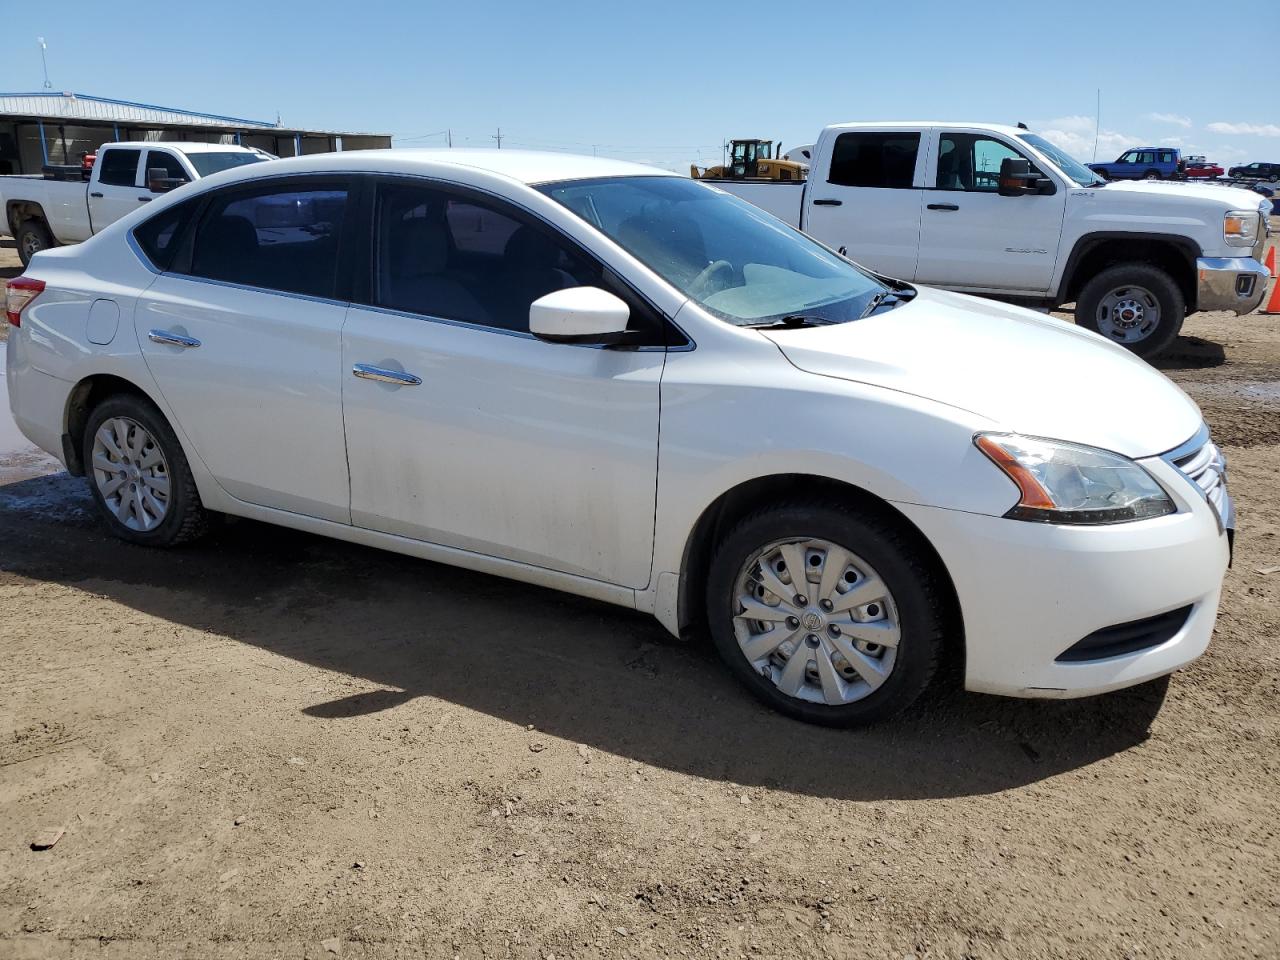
1198,168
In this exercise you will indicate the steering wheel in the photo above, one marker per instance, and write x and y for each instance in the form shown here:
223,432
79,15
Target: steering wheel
715,276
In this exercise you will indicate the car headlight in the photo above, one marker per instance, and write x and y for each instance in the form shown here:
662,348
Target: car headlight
1240,227
1069,483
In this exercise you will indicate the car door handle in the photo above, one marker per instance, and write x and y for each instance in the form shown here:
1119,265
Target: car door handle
399,378
827,202
144,199
98,195
172,339
942,206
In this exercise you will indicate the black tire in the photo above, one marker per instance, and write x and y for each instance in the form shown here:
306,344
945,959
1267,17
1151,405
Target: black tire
885,544
1151,175
1173,306
185,518
33,236
1274,178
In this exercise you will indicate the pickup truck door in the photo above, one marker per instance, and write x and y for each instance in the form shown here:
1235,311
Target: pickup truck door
973,238
868,201
465,430
117,187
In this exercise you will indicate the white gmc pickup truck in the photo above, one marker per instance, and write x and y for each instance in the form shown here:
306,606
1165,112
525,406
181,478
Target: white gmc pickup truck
42,211
999,211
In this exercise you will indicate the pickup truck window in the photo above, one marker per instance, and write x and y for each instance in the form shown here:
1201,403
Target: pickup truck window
281,238
875,160
971,162
166,161
119,167
1079,174
726,255
207,164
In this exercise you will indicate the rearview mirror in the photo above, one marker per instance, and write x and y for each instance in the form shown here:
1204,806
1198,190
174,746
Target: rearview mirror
159,181
579,315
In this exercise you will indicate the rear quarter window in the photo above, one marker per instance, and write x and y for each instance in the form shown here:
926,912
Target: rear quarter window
160,236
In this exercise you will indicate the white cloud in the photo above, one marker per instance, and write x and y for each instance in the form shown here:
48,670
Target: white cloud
1075,134
1246,129
1174,118
1172,141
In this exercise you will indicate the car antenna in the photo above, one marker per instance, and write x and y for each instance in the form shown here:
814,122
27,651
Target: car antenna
1022,126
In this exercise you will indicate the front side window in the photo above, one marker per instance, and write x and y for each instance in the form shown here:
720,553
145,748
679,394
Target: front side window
283,238
968,161
875,160
163,160
1130,157
119,167
723,253
456,257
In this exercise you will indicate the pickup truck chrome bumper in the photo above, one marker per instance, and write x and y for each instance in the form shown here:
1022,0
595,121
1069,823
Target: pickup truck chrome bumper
1237,284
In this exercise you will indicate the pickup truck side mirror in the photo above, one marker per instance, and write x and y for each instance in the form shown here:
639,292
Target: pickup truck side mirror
159,181
1017,180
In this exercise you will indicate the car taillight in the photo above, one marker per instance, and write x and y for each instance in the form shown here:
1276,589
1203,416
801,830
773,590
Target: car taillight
19,292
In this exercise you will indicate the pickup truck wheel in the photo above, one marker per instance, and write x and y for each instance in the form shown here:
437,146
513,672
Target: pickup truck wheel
1135,305
139,475
33,236
826,614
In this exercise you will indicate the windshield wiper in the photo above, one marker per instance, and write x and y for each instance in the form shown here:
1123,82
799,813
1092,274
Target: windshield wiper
791,322
888,298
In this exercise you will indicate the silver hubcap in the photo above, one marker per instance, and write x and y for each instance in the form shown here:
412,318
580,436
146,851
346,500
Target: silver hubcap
1128,314
131,473
31,245
816,621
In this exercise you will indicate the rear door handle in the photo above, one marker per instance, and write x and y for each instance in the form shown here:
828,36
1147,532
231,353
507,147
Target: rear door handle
98,195
827,202
172,339
398,378
942,206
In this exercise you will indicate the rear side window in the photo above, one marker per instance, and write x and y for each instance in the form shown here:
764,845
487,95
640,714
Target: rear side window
886,160
160,236
283,239
119,168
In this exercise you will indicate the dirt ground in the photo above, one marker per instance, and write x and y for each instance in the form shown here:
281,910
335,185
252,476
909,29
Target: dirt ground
271,744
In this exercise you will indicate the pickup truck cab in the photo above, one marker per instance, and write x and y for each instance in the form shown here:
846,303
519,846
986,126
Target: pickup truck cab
43,211
927,202
1144,163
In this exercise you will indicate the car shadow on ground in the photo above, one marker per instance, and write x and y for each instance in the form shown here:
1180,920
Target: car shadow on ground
1191,353
584,671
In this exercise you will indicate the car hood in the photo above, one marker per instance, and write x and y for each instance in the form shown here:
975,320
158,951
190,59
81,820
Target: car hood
1229,198
1025,372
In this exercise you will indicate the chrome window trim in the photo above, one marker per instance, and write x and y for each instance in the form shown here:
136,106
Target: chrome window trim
334,301
136,247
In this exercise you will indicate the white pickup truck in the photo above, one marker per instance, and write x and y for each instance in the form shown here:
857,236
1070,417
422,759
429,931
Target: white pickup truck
998,211
43,211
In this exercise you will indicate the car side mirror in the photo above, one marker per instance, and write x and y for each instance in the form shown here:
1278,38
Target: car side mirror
1017,180
586,315
159,181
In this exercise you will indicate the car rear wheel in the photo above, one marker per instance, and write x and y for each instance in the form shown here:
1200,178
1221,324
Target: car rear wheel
1136,305
33,236
826,614
139,475
1151,175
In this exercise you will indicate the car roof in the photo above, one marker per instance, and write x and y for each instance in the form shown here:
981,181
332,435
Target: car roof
522,166
181,146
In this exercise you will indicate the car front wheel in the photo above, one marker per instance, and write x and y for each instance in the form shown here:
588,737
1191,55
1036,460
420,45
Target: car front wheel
139,475
826,613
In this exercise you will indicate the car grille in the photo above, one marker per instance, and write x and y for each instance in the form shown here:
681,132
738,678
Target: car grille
1206,467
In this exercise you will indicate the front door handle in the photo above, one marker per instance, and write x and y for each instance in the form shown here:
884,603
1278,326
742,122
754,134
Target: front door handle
942,206
172,339
398,378
98,195
827,202
144,199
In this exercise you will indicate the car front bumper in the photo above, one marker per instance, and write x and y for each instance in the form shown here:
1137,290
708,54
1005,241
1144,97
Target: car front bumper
1029,592
1237,284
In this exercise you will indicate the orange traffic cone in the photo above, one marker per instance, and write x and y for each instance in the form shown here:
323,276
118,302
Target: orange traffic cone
1273,305
1270,261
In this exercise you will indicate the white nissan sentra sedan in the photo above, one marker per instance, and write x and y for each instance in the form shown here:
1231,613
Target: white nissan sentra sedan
624,384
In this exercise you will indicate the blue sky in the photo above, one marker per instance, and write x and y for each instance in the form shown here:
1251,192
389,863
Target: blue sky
667,82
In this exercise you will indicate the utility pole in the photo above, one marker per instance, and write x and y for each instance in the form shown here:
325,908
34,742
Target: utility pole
44,63
498,138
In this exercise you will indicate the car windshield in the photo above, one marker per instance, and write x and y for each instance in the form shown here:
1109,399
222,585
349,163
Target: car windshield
728,256
207,164
1081,175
